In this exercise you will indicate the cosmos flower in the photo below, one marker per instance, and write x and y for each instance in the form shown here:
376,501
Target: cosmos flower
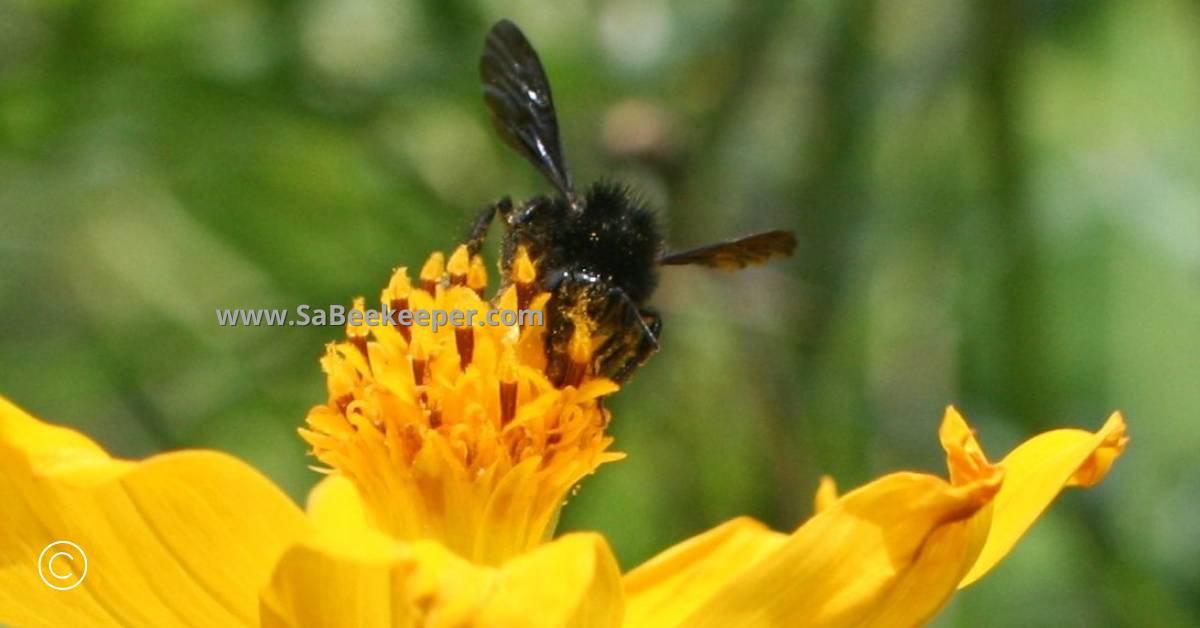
449,454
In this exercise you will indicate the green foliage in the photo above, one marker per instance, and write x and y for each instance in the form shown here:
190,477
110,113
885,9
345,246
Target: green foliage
997,206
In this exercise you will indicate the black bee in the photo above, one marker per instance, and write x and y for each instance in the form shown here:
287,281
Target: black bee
597,254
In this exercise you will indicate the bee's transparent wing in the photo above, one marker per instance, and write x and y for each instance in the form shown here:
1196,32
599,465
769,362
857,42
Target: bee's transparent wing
738,253
518,97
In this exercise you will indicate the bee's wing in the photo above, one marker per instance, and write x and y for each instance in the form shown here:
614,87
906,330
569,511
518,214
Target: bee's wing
518,97
736,254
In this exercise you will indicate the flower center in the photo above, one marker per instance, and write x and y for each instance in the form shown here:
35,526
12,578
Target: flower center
452,431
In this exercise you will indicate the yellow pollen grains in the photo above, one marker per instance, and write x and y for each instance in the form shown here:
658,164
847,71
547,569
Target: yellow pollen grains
454,433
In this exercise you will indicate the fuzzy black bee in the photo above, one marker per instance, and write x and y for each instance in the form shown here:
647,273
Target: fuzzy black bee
597,254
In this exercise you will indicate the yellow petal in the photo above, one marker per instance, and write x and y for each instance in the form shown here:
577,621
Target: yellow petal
1036,472
573,581
363,579
886,555
333,504
368,579
669,587
964,454
182,539
827,494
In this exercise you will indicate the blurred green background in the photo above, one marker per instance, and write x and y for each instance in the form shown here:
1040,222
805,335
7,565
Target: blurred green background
998,206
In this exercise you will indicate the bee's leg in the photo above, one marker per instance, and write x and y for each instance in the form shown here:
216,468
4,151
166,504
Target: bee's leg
653,322
645,346
516,216
560,327
630,333
633,344
479,229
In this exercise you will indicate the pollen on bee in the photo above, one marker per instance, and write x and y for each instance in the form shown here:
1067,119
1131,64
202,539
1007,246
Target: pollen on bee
579,349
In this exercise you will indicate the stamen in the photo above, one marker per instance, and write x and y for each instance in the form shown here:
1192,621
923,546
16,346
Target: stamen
464,340
459,266
477,275
400,305
524,274
420,362
552,439
520,444
396,296
508,388
461,299
432,272
357,334
412,440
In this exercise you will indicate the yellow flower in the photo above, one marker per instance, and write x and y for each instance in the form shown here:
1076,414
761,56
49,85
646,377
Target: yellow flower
451,456
198,539
888,554
454,434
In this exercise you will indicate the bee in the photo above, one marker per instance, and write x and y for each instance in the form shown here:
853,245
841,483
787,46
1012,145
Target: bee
598,253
